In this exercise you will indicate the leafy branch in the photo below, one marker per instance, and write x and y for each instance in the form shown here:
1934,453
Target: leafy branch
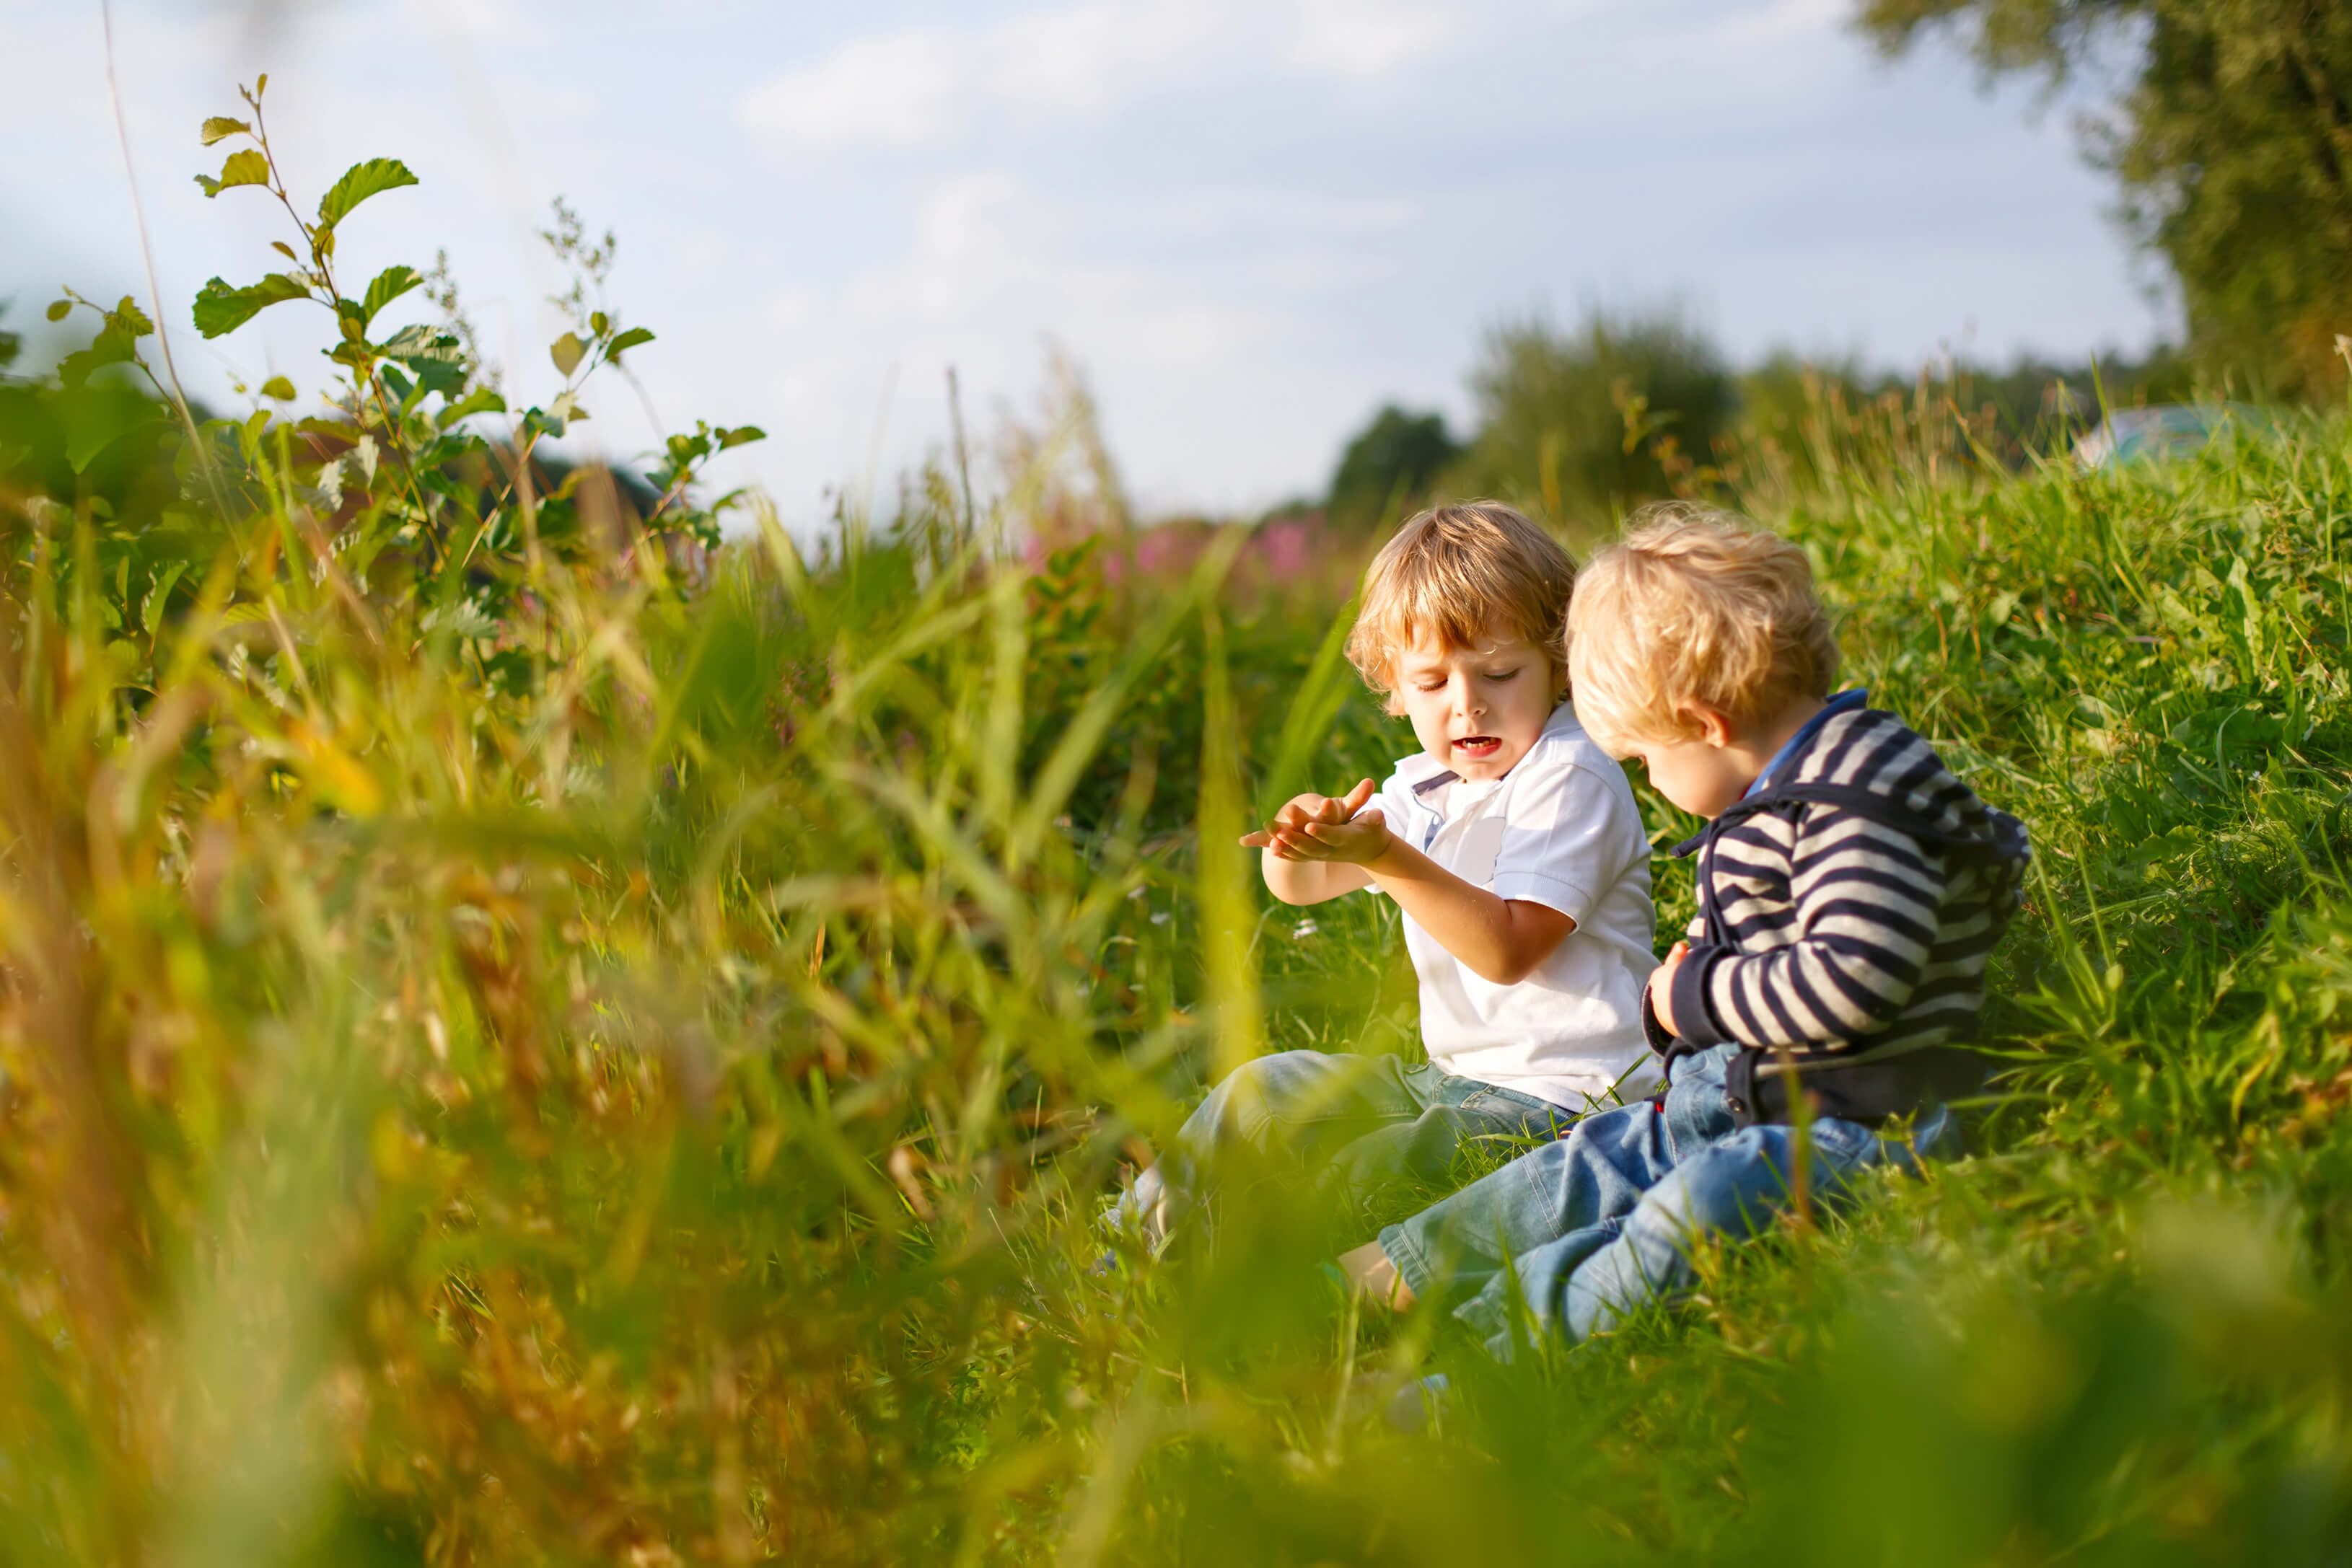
221,308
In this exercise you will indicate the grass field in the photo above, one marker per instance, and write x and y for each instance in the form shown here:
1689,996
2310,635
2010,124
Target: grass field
523,1051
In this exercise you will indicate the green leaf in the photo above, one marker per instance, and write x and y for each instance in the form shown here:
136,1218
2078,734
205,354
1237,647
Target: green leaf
128,319
567,352
481,399
221,309
94,420
279,388
360,182
220,126
629,339
249,435
389,284
437,357
421,341
159,596
60,309
245,168
741,435
108,348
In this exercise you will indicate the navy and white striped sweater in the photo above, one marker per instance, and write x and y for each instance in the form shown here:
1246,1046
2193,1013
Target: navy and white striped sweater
1846,914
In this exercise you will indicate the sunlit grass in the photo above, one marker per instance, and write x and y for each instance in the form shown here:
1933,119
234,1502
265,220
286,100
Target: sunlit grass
630,1077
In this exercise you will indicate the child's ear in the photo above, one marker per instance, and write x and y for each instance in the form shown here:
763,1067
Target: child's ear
1714,728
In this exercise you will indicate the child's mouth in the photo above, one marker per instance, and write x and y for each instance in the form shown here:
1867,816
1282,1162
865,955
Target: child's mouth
1478,747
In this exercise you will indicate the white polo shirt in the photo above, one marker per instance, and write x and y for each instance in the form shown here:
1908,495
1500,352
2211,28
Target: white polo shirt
1560,830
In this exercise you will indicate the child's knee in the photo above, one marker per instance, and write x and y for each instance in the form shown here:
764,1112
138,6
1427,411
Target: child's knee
1732,1187
1270,1092
1247,1102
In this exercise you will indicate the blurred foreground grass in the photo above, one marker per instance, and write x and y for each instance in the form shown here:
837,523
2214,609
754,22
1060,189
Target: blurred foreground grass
561,1048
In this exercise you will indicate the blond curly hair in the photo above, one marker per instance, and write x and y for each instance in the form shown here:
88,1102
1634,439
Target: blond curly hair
1694,605
1456,571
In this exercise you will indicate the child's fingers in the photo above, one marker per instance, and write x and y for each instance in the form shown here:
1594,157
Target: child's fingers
1258,840
1358,795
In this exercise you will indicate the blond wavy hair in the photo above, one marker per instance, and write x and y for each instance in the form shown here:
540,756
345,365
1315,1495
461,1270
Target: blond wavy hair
1693,606
1453,572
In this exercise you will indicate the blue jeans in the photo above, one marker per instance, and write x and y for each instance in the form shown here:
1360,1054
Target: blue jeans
1604,1222
1362,1124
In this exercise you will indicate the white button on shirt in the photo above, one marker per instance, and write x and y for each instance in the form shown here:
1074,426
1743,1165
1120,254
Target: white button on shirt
1560,830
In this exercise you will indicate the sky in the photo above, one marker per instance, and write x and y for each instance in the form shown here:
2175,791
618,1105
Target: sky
1249,223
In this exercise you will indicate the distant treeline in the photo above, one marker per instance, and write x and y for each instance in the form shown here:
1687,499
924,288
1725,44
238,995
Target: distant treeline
1627,406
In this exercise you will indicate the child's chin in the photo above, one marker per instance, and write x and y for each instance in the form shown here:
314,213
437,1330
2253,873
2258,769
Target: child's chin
1484,765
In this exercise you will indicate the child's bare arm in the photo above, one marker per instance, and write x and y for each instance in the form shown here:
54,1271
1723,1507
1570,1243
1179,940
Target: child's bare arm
1294,882
1297,879
1500,939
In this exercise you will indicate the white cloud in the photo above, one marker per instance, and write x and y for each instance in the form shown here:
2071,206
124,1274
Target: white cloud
968,248
897,90
922,87
486,21
925,87
1085,59
1365,37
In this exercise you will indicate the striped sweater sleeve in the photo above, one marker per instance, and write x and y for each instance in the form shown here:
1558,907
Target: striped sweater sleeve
1834,964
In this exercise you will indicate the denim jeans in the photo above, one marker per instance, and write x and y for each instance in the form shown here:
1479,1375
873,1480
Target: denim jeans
1603,1221
1360,1125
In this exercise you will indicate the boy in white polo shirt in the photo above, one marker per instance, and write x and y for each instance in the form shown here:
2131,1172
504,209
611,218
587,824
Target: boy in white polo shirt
1511,843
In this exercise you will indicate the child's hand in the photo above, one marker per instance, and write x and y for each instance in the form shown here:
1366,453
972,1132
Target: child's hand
1662,987
1321,828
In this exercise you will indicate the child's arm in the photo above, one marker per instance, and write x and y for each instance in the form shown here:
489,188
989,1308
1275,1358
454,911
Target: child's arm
1296,880
1500,939
1866,918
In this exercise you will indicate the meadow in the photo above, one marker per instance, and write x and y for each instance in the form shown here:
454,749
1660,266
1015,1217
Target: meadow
540,1029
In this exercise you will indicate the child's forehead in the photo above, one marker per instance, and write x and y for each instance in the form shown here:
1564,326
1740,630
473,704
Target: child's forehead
1431,644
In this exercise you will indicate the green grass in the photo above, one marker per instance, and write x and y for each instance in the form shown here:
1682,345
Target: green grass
510,1052
658,1111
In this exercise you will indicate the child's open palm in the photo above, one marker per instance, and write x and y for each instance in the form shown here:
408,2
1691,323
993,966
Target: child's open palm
1324,828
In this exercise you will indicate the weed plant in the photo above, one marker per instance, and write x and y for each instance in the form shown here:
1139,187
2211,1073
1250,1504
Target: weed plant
524,1043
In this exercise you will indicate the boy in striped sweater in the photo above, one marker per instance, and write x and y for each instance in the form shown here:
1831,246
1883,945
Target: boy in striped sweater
1850,891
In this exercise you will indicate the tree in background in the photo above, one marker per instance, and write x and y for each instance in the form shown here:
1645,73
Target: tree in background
1575,425
2234,147
1391,465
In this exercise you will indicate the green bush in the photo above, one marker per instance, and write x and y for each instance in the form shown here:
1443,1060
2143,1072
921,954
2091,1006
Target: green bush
1390,467
1577,426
